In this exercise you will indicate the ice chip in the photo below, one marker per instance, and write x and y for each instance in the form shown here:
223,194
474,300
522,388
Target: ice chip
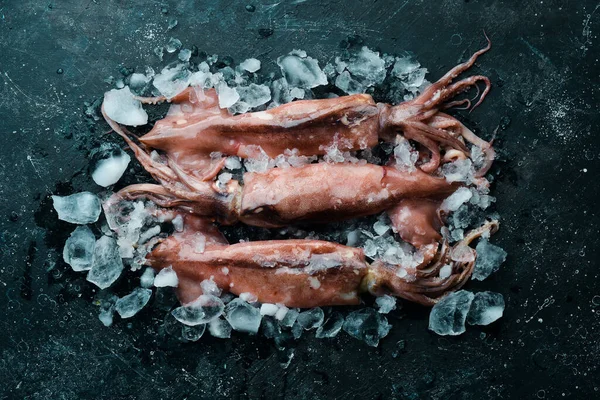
79,249
147,278
184,55
254,95
290,317
486,308
242,316
173,45
210,287
172,81
385,303
445,271
128,306
79,208
381,228
202,310
107,309
449,314
367,325
110,167
107,265
458,171
368,66
166,277
312,318
138,81
489,259
346,83
268,309
120,106
457,199
250,65
301,71
219,328
281,312
404,66
405,156
233,163
331,327
270,327
193,333
227,96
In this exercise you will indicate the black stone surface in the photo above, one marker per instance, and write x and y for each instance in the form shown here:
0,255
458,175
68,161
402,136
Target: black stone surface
544,65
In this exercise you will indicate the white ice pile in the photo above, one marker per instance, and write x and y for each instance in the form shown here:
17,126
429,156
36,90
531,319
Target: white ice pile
79,249
242,316
129,305
367,325
312,318
107,265
261,162
301,71
385,303
172,81
202,310
110,166
120,106
489,259
459,171
448,316
250,65
486,308
79,208
166,277
331,327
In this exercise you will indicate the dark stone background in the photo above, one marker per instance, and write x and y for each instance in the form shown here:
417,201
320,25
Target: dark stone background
545,69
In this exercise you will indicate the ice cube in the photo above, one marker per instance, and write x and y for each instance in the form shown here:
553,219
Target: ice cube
210,287
457,199
405,156
227,96
248,297
79,208
331,327
131,304
290,317
367,325
415,78
281,312
268,309
233,163
173,45
219,328
79,249
346,83
486,308
254,95
166,277
459,171
202,310
242,316
172,81
445,271
120,106
250,65
368,66
147,278
352,238
193,333
380,228
107,309
184,55
301,71
110,166
312,318
224,178
404,66
385,303
138,81
489,259
449,314
107,265
270,327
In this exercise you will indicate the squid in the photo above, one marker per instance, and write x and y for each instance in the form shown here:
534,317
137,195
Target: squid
185,151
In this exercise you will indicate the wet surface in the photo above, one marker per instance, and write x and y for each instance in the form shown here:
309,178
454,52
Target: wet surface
544,67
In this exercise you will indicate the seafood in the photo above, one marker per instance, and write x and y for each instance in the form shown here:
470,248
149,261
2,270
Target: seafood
195,137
